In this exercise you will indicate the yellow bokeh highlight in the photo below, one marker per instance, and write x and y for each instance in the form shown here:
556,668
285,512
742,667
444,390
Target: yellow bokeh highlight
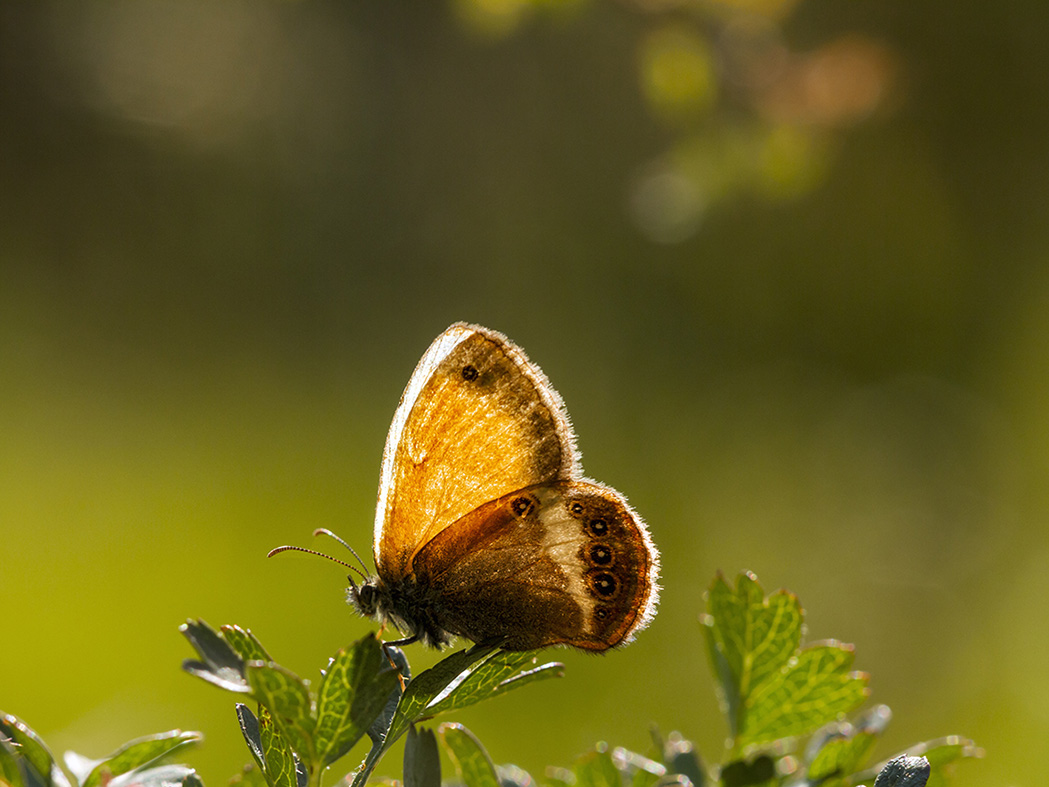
791,161
678,75
496,19
773,9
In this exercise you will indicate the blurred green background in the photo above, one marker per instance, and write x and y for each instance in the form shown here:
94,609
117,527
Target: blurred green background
786,263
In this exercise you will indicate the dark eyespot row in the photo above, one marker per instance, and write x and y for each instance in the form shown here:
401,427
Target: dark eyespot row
598,553
469,373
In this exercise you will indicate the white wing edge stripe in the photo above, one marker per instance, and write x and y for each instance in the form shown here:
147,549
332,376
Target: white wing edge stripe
441,348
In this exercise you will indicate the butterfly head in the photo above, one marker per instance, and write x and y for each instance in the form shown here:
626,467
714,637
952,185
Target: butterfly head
364,598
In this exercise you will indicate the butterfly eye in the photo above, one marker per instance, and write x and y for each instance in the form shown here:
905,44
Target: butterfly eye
469,373
367,599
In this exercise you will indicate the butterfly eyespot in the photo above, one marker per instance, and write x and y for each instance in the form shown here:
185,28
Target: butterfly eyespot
522,506
600,555
601,613
575,508
597,527
604,584
469,372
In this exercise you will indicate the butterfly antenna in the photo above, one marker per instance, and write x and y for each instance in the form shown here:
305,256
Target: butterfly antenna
323,531
278,550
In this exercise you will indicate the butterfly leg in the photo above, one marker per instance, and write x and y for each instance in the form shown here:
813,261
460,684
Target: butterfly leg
389,656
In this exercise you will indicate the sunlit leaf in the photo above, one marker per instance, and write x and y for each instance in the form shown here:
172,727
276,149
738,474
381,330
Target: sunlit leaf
162,776
596,769
431,684
219,664
278,760
471,761
750,639
351,695
816,688
11,767
436,690
287,696
244,643
502,672
139,753
638,769
28,760
840,757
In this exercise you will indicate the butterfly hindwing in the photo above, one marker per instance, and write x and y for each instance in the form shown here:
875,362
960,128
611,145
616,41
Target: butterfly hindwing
567,563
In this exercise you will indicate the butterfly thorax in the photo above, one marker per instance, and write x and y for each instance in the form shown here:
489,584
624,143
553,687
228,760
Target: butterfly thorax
410,607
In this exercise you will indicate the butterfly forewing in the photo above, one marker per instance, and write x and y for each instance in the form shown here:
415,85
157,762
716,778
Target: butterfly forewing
476,422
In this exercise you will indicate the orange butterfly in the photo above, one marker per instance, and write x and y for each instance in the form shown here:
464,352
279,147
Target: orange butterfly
485,528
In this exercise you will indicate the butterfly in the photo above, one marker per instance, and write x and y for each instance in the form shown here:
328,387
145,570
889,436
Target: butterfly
485,528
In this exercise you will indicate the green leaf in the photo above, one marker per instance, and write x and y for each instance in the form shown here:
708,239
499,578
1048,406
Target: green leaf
597,769
839,757
249,728
287,697
79,765
680,757
750,638
11,764
513,776
28,761
941,754
904,772
469,757
499,674
138,753
417,695
220,664
943,751
162,776
639,770
429,685
815,689
352,694
397,662
437,690
422,762
279,765
559,777
244,643
758,772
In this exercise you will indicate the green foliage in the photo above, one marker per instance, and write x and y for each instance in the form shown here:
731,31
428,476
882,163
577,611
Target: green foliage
786,704
25,761
297,733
